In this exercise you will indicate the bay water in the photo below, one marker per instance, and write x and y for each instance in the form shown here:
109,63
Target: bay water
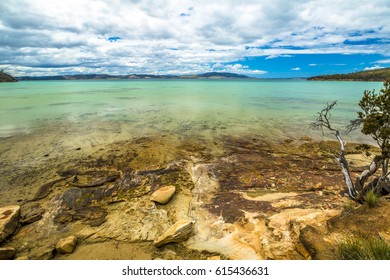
272,108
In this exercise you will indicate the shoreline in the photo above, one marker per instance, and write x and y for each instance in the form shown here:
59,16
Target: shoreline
263,180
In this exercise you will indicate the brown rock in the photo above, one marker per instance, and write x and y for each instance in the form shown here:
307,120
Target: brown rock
178,232
7,253
66,245
163,195
9,219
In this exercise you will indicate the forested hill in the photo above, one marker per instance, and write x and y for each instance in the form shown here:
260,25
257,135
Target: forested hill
4,77
369,75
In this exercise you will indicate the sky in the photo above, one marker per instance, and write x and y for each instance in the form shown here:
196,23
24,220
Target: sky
260,38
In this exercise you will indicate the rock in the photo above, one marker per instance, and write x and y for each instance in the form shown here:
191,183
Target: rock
163,195
313,242
214,258
22,258
9,219
44,253
178,232
7,253
66,245
31,219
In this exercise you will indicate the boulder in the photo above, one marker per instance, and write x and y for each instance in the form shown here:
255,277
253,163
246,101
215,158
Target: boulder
9,219
66,245
178,232
7,253
163,195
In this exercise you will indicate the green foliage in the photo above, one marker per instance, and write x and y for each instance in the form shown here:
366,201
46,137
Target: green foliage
370,75
375,117
371,199
369,248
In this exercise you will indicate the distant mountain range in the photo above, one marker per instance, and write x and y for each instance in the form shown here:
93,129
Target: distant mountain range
369,75
210,75
4,77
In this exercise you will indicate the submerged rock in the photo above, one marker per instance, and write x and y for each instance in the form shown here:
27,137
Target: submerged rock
66,245
163,195
7,253
9,219
178,232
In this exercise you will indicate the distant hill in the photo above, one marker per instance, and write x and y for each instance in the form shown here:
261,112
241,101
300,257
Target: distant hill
370,75
211,75
4,77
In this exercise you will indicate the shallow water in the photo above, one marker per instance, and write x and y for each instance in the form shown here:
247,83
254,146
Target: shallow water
275,108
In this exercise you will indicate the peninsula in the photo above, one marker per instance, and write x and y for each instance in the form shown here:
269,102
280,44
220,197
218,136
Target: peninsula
377,75
209,75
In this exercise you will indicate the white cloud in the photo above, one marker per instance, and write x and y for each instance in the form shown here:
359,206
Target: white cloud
182,35
312,64
374,67
296,69
277,55
383,61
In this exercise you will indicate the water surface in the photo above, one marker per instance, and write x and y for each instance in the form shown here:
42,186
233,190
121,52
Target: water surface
275,108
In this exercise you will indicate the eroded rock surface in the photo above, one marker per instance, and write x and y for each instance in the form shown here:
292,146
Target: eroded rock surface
7,253
9,219
249,199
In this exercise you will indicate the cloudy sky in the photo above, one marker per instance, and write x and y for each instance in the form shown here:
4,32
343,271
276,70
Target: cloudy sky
263,38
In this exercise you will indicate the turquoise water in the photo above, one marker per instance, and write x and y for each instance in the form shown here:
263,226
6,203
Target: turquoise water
275,108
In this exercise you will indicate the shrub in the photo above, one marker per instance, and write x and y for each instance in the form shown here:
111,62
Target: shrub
369,248
371,199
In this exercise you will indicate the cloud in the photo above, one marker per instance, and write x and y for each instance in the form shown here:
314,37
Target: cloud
296,69
374,67
383,61
312,64
174,36
277,55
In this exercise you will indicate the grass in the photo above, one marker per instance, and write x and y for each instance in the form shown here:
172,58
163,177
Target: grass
368,248
371,199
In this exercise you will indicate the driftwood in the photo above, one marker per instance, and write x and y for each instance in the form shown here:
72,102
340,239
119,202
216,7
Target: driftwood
357,190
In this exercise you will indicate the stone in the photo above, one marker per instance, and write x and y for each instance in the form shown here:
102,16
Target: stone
31,219
178,232
7,253
163,195
66,245
214,258
9,220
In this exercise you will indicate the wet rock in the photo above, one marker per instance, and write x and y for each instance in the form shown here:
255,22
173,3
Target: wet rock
7,253
9,219
66,245
163,195
178,232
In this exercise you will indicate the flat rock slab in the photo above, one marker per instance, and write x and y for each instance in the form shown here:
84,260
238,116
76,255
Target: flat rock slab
7,253
163,194
178,232
9,219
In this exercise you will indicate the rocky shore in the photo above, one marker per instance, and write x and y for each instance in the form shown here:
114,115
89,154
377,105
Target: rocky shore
169,197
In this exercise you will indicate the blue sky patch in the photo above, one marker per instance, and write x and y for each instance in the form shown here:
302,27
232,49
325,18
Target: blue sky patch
114,39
